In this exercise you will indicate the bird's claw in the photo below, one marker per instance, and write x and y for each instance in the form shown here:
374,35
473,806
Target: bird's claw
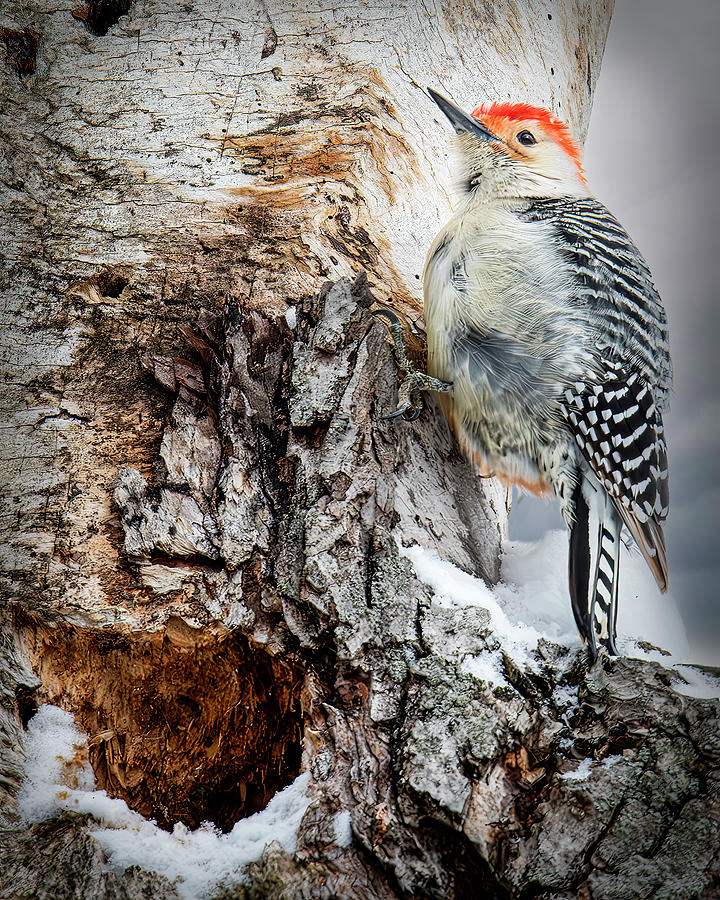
391,319
410,401
400,411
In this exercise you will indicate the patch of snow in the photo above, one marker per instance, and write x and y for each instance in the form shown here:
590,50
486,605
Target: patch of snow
582,773
532,601
565,697
644,614
455,588
534,586
452,586
696,683
587,765
485,667
197,862
55,764
539,572
341,827
291,316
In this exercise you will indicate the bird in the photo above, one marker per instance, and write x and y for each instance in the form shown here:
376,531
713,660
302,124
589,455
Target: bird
548,343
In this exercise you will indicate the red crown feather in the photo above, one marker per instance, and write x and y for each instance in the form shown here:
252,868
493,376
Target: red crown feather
492,113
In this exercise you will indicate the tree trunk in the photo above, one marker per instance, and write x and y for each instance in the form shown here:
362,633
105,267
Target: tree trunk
207,514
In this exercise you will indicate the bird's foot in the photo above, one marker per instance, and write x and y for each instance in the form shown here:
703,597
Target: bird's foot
410,402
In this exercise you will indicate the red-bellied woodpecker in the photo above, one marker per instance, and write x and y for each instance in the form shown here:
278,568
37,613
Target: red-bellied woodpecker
549,341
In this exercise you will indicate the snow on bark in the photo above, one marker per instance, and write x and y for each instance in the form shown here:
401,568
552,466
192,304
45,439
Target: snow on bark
204,203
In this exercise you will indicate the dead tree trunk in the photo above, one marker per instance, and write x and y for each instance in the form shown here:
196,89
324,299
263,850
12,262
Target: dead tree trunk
205,511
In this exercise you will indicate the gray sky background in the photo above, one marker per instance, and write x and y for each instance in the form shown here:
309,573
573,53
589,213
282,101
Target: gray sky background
653,157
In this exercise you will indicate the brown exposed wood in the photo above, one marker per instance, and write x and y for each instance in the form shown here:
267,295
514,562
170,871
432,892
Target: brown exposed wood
159,706
99,15
21,48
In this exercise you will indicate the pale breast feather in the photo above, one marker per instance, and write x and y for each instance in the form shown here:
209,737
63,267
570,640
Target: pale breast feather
502,362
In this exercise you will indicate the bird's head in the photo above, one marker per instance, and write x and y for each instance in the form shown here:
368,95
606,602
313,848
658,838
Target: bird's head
514,150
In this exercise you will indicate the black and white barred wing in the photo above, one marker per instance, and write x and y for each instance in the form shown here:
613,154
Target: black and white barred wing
619,431
615,413
614,295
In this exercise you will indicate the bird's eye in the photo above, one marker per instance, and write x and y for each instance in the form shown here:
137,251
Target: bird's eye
526,139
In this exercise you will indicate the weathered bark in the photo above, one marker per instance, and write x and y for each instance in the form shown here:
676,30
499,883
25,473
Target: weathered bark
205,507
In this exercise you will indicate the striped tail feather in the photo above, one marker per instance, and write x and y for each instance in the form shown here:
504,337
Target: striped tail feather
595,565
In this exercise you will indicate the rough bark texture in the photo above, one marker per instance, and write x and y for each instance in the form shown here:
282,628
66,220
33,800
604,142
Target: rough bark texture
204,508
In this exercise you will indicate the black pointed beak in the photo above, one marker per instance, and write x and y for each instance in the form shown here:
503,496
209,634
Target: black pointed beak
462,121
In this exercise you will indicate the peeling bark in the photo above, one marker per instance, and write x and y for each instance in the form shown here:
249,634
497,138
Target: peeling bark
205,508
